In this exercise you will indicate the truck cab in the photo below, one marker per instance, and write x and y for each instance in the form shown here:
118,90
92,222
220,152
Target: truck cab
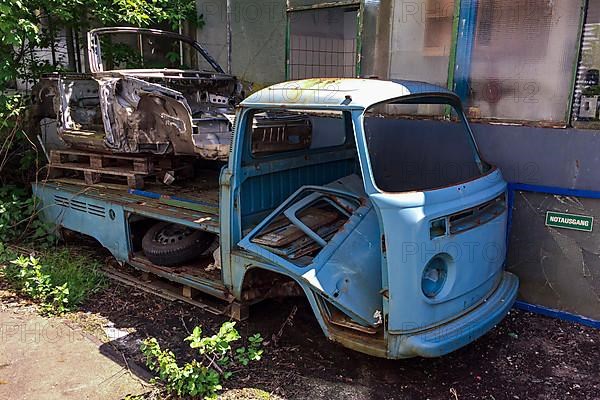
374,203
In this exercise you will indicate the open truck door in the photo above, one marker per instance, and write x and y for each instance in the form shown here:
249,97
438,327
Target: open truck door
323,235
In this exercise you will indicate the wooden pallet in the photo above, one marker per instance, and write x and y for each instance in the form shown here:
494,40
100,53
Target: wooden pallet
96,166
172,291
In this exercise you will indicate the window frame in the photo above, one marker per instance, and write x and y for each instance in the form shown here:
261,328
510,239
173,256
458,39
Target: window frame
582,23
485,167
320,6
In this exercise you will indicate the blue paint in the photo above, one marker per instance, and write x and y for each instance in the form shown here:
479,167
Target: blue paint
510,202
74,210
153,195
551,312
143,193
451,336
591,194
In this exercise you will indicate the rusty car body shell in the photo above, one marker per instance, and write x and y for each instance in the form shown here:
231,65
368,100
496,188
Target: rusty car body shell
143,110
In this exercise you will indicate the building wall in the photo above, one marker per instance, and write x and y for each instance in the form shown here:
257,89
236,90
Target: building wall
558,268
258,36
564,158
214,34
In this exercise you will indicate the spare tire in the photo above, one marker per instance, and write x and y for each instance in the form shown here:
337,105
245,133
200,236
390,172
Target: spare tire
169,244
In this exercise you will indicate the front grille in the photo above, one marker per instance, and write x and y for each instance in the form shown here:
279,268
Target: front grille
477,216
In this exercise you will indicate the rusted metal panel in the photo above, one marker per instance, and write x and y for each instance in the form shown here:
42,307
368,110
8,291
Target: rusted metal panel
137,109
312,217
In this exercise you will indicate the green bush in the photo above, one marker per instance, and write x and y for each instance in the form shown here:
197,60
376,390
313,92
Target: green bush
18,217
202,377
58,280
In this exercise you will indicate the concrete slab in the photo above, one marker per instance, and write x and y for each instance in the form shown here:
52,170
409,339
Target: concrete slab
46,359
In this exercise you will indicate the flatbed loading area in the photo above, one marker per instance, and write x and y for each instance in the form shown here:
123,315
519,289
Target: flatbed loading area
195,204
118,217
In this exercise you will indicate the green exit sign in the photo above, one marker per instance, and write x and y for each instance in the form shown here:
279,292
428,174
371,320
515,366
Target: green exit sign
569,221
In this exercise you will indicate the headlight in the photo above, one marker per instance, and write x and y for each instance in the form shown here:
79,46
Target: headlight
434,276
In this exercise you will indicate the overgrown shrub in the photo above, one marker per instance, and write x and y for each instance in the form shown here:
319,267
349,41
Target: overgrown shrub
58,281
202,377
18,218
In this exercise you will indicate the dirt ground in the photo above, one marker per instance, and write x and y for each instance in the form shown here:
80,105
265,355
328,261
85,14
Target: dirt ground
526,357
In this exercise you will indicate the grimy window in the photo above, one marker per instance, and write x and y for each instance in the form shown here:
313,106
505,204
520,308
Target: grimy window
587,89
509,60
521,59
421,40
414,147
322,43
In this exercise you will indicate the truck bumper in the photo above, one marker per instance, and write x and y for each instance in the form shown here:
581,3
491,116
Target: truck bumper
448,337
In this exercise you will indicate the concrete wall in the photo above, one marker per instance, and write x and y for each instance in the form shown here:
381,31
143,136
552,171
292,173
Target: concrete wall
214,35
558,268
565,158
258,35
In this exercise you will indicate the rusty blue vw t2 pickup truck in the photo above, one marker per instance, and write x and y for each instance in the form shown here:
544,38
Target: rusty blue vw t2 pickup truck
368,197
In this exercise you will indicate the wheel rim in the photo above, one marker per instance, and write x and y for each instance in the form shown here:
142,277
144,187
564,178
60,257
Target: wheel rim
172,233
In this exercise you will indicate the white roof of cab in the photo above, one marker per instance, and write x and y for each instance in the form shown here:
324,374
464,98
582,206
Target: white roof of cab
339,93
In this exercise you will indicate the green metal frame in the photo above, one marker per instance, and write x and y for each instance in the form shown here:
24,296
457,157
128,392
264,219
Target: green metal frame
359,31
452,58
454,36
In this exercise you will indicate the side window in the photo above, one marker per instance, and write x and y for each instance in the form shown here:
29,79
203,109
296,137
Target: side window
286,130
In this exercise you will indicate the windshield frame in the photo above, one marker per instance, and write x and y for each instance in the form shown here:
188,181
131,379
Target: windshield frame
95,48
442,98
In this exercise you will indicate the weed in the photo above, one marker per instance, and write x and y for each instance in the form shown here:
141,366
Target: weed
58,280
202,377
252,353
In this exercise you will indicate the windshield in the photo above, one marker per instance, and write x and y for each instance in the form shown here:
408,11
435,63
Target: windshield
420,145
122,50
